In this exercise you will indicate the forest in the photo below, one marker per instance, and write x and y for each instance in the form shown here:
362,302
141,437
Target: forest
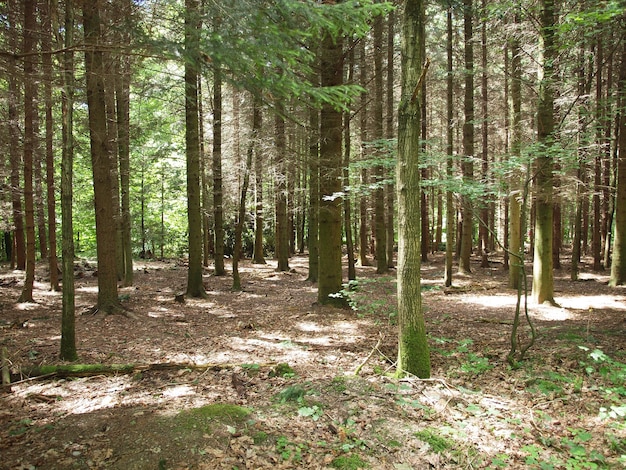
313,234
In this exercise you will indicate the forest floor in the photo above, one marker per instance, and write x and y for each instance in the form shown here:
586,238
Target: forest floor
266,378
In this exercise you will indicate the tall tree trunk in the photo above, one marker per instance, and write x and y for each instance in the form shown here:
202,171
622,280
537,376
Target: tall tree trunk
46,45
543,276
218,190
314,193
507,147
330,270
14,135
467,227
252,148
484,101
413,351
347,211
390,189
596,234
516,237
618,266
195,287
28,46
122,98
281,237
258,253
68,333
100,159
379,172
363,203
449,150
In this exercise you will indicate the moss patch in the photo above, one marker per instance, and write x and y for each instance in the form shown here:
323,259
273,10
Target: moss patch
202,418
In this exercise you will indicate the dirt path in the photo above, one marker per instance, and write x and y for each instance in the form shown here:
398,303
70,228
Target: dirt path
251,412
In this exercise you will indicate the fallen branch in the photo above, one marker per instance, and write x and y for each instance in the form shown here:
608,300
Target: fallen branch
369,356
88,370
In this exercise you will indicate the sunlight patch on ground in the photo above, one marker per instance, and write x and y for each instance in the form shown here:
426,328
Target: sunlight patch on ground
188,358
89,289
595,302
178,391
491,301
309,326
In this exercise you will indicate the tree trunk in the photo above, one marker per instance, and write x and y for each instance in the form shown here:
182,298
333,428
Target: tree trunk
363,203
15,137
218,190
281,238
516,237
30,25
467,227
484,101
618,266
413,351
258,253
347,211
122,97
330,269
314,194
449,151
252,148
195,287
46,45
379,172
543,276
68,333
390,189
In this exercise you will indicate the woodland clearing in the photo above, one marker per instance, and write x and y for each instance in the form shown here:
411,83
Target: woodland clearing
264,378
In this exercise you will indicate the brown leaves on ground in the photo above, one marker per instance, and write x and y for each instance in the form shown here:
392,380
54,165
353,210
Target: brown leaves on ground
474,413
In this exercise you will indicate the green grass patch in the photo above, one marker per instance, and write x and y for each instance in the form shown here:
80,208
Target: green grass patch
204,417
349,462
437,442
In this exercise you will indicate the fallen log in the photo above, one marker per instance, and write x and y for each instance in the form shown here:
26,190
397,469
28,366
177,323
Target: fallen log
89,370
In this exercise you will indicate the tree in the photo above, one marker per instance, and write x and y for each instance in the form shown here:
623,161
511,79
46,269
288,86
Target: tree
195,287
282,222
29,145
379,172
467,225
46,45
413,351
543,276
449,150
618,266
68,330
314,192
218,190
330,270
14,135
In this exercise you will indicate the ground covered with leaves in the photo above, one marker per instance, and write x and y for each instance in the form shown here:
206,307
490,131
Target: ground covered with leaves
265,378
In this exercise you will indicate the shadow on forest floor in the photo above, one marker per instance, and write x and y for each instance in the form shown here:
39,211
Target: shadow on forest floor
265,378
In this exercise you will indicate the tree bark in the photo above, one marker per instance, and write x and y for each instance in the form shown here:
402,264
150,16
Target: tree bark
314,194
543,276
449,151
14,135
413,351
467,226
281,238
218,190
68,331
618,265
330,269
195,286
46,45
379,172
30,25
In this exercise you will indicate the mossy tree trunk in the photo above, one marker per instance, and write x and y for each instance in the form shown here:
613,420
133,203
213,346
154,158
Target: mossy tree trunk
618,265
543,276
413,351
